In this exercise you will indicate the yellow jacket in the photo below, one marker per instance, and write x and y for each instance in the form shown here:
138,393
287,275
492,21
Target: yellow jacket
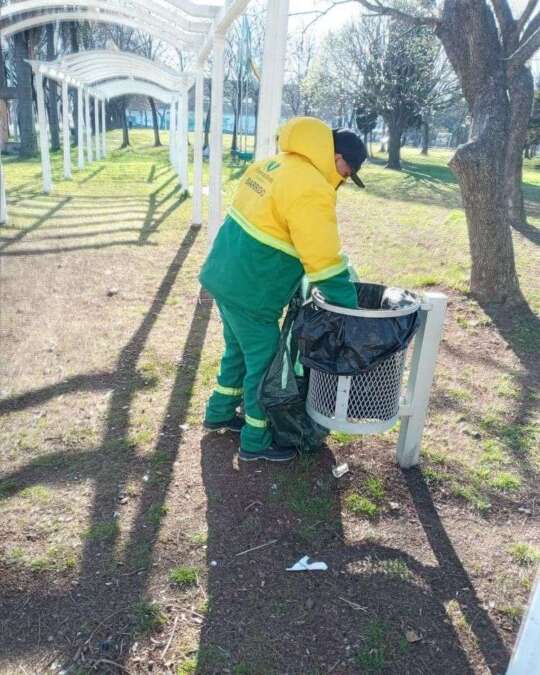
282,225
289,201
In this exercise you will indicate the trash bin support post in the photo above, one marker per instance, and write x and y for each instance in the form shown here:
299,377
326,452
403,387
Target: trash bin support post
424,360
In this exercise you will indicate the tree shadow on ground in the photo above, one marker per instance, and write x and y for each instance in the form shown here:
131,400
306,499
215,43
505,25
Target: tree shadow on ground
418,182
90,617
529,231
520,328
352,618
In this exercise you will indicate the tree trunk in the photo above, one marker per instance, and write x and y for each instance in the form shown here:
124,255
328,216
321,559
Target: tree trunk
394,145
521,88
383,133
4,113
74,39
366,134
237,111
52,91
480,174
125,131
207,126
486,166
157,140
425,137
25,112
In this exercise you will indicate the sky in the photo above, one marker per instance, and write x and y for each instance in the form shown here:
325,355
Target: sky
340,14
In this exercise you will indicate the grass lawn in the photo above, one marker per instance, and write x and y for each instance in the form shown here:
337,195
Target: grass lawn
126,533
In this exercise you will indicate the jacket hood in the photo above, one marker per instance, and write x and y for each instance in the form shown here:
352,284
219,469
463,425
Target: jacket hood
311,138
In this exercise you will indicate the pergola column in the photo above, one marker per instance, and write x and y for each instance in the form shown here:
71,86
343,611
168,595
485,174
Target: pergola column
88,125
103,128
80,127
198,149
216,137
65,130
172,133
43,136
96,128
177,138
273,72
183,139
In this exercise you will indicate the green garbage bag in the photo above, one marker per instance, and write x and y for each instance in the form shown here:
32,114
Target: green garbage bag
283,391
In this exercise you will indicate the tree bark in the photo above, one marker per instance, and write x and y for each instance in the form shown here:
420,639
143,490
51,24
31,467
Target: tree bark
237,110
486,167
425,137
74,39
125,130
394,145
383,133
521,88
52,93
4,116
157,140
25,112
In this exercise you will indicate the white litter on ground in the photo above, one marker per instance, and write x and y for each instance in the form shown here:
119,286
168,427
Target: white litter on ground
340,470
303,565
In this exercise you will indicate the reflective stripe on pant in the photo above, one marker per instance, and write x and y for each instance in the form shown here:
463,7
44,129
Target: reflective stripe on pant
249,348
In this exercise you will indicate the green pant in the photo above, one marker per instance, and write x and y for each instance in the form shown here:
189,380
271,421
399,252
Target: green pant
249,348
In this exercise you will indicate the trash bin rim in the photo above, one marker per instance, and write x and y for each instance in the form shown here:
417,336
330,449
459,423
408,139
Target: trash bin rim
366,313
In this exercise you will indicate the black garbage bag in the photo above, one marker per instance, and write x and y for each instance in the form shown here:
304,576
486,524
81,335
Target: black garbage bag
283,391
345,345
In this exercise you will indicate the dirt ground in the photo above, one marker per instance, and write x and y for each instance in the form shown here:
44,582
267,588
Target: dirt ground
131,541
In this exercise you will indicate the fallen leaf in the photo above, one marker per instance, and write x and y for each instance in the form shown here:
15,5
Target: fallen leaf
412,636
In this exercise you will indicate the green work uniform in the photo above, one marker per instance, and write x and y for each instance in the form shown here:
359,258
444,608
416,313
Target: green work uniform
282,225
249,348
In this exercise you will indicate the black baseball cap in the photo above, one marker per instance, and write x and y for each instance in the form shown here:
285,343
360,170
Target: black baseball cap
352,149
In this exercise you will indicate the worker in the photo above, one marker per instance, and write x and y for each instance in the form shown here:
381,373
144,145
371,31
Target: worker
282,225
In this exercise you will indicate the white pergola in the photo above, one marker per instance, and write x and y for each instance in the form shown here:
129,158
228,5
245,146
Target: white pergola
100,75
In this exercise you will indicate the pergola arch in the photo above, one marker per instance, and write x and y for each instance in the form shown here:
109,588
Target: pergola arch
134,9
160,32
184,24
93,66
126,87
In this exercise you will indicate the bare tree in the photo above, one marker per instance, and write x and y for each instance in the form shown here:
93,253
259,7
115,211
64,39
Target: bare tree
6,93
155,121
443,92
298,93
395,62
23,50
489,49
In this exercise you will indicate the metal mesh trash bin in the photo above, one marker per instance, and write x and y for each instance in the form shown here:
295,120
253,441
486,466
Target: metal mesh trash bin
366,402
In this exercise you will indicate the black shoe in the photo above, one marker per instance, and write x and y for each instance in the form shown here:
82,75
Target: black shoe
272,454
234,424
